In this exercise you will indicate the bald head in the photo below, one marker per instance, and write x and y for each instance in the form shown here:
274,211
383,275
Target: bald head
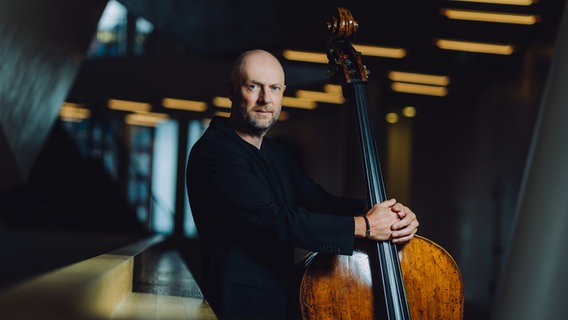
253,58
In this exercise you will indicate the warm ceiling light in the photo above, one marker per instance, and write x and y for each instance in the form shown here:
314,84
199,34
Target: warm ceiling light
391,117
299,103
73,112
510,2
305,56
376,51
409,111
419,89
181,104
147,119
419,78
125,105
221,102
333,88
223,114
504,49
366,50
485,16
320,96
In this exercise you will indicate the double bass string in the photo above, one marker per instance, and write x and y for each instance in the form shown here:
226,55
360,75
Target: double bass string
393,287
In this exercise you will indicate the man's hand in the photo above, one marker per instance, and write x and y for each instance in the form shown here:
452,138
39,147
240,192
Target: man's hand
388,220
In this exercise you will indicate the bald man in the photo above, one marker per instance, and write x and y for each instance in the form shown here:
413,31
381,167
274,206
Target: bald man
252,204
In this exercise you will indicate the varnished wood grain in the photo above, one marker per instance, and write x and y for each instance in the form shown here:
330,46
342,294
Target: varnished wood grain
433,283
346,277
345,287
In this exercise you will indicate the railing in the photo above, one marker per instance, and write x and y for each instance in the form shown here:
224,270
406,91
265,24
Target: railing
144,280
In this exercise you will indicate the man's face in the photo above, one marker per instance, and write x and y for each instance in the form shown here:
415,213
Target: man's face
257,97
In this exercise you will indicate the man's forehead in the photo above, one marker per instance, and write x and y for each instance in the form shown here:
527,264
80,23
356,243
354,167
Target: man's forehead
262,81
264,77
262,68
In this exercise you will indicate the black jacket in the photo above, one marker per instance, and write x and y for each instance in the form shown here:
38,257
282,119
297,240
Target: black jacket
251,207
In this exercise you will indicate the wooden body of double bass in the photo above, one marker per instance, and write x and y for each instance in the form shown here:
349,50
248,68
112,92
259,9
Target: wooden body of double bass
432,280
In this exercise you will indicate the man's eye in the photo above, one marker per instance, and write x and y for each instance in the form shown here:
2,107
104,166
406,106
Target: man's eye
276,88
252,87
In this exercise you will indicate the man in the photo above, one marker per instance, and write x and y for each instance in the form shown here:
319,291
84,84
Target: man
252,205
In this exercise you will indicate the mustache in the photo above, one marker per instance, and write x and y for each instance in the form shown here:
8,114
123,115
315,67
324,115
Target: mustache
263,108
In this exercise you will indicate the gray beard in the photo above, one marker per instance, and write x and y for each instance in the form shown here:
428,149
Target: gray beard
255,128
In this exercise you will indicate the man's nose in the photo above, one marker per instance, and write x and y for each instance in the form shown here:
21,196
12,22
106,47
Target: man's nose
264,95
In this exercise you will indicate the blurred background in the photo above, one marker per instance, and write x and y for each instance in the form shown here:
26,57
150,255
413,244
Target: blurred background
101,101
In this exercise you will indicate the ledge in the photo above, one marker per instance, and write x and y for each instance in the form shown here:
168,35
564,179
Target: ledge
102,288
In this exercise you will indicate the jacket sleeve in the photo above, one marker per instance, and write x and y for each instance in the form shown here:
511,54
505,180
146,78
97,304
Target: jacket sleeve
229,192
314,197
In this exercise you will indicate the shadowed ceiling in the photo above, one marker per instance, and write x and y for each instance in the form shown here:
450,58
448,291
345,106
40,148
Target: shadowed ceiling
223,26
209,34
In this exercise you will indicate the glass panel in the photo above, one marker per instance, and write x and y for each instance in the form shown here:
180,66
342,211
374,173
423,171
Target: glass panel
139,172
195,130
113,30
110,39
164,174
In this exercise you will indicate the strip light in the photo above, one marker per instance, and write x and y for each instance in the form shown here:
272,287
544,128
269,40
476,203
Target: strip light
419,78
481,47
299,103
321,96
221,102
147,119
223,114
376,51
125,105
366,50
485,16
188,105
305,56
73,112
509,2
419,89
333,88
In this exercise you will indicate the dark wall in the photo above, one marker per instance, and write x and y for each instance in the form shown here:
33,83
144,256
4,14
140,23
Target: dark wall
43,44
67,191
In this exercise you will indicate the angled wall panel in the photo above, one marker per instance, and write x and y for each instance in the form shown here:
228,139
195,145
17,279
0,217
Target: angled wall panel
43,44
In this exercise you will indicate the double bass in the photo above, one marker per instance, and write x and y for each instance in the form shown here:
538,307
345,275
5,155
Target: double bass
380,280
